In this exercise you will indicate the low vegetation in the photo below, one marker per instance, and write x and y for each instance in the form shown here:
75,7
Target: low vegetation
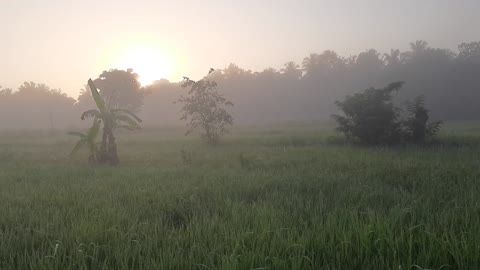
282,198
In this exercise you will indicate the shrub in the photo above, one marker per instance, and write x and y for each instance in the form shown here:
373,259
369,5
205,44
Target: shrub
371,117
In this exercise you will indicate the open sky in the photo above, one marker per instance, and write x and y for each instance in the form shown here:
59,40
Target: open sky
64,42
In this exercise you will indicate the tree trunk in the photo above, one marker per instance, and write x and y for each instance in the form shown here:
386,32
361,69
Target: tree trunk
103,152
210,135
108,148
112,149
92,157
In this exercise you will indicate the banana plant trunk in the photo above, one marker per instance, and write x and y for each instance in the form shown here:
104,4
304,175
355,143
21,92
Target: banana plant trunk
108,148
92,158
112,149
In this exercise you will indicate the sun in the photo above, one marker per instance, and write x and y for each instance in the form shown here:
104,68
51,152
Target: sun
150,63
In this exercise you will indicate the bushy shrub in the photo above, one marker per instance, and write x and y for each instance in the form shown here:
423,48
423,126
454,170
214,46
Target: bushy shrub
371,117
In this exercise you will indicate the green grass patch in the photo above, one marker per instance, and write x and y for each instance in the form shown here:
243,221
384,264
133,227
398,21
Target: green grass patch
267,199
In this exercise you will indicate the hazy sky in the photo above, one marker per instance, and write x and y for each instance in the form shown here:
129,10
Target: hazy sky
64,42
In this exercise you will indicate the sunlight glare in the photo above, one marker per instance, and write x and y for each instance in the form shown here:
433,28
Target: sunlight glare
150,63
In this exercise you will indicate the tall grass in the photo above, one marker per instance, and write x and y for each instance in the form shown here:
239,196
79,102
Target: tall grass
259,201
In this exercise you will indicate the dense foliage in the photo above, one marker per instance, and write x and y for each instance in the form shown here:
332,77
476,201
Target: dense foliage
372,118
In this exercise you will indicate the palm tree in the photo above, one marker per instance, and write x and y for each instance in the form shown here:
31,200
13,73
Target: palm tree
111,118
393,58
310,63
417,49
291,70
88,139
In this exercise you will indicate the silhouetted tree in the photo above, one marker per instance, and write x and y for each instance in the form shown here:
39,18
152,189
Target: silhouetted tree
120,89
205,108
369,61
310,64
469,52
292,71
268,74
233,72
85,100
323,64
5,91
417,48
37,106
392,59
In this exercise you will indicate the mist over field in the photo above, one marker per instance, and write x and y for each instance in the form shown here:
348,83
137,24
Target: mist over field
216,134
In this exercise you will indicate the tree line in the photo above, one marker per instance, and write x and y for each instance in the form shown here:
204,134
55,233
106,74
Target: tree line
369,117
304,91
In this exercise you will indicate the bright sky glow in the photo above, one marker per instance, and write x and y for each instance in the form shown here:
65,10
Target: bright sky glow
150,63
63,43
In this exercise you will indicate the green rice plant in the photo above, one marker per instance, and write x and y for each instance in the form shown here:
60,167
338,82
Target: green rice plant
319,206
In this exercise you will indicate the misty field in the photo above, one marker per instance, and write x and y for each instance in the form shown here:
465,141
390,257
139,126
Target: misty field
273,198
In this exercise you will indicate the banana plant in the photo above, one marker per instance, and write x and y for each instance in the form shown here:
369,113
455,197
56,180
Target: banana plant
88,139
111,118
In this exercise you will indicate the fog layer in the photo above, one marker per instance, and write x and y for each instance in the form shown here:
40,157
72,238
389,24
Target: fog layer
299,92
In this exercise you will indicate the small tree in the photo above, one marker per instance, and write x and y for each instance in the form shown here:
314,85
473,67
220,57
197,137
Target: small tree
111,118
417,128
370,116
205,108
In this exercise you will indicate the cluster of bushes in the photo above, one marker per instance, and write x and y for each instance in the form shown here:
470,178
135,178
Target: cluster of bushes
371,117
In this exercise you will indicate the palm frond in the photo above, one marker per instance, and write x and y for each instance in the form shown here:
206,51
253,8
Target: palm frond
127,112
91,114
93,131
124,120
77,134
127,127
96,97
77,147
